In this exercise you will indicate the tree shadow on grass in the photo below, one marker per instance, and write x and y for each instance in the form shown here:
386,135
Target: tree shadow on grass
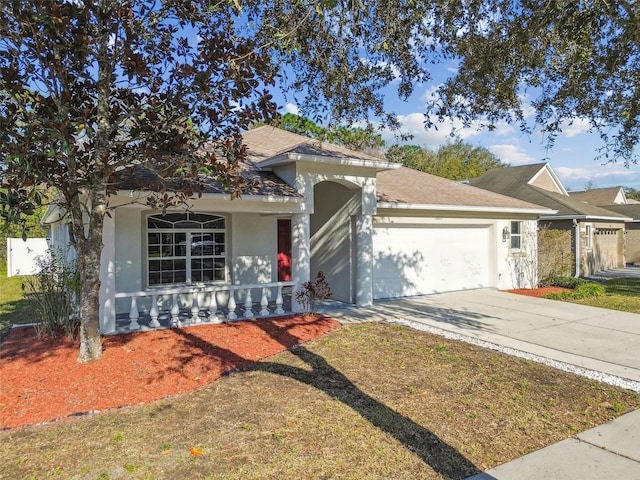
319,374
15,313
439,455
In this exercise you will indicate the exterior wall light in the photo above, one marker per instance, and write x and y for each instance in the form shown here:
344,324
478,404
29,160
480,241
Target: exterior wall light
505,234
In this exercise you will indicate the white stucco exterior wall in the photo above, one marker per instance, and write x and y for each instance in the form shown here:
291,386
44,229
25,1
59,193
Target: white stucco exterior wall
254,247
517,269
502,262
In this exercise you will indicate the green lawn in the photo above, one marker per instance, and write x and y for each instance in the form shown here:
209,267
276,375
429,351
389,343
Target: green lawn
366,401
14,306
621,294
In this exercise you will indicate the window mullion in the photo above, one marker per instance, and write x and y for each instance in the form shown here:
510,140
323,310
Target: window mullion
188,252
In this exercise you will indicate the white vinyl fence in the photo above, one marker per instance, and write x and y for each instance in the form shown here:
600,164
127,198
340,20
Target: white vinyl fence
22,255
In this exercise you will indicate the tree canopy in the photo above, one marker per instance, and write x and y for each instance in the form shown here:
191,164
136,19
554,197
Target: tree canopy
632,193
538,64
91,88
355,138
456,160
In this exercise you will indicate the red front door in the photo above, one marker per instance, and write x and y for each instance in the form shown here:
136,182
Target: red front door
284,250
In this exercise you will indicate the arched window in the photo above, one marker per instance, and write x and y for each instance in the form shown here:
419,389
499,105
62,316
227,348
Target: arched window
186,248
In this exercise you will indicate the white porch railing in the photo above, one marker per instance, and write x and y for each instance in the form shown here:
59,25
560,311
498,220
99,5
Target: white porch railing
204,300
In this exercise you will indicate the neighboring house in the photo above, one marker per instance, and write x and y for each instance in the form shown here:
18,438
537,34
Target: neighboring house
615,200
377,230
601,196
595,236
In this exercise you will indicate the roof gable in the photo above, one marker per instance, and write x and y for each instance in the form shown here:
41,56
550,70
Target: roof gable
266,142
601,196
504,180
531,184
547,179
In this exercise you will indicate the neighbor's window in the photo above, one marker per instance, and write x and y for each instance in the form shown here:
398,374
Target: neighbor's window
516,235
185,248
587,236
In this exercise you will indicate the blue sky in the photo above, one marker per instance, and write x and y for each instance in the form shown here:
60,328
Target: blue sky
572,156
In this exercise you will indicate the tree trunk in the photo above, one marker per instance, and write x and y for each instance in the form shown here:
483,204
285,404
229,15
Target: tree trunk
90,340
89,250
90,246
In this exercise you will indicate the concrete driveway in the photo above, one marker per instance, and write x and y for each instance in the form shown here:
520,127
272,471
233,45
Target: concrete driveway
627,272
590,338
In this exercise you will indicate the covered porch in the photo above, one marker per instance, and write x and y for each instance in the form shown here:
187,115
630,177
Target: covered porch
175,307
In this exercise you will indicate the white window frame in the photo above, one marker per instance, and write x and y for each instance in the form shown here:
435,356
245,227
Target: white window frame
588,236
516,236
192,231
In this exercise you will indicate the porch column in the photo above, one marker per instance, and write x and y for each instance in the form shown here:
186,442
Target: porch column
300,253
364,260
108,277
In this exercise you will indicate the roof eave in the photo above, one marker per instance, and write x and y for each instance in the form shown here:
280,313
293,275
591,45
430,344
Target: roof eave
465,208
291,157
587,217
227,197
52,214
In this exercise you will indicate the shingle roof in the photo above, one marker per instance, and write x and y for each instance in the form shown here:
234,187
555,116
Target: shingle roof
505,179
267,142
410,186
597,196
268,184
631,210
512,181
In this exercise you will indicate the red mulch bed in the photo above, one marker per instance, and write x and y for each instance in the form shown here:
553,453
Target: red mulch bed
41,380
538,292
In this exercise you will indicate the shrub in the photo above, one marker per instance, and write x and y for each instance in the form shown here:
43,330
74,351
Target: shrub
555,258
313,293
567,282
588,290
583,289
54,291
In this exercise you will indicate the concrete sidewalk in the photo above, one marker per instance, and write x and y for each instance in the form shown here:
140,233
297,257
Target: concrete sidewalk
610,451
598,343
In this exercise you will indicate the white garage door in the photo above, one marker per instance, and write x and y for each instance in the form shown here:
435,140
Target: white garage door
421,260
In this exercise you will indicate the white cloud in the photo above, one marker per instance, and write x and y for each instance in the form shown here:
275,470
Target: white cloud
574,174
439,134
395,71
575,127
291,108
609,175
503,128
512,154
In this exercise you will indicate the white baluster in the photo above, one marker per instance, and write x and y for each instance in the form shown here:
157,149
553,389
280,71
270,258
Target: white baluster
231,306
248,304
264,302
279,302
134,315
154,312
213,308
175,312
195,309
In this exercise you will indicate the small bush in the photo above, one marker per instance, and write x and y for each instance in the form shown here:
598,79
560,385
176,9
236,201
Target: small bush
567,282
54,290
583,289
588,290
313,293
